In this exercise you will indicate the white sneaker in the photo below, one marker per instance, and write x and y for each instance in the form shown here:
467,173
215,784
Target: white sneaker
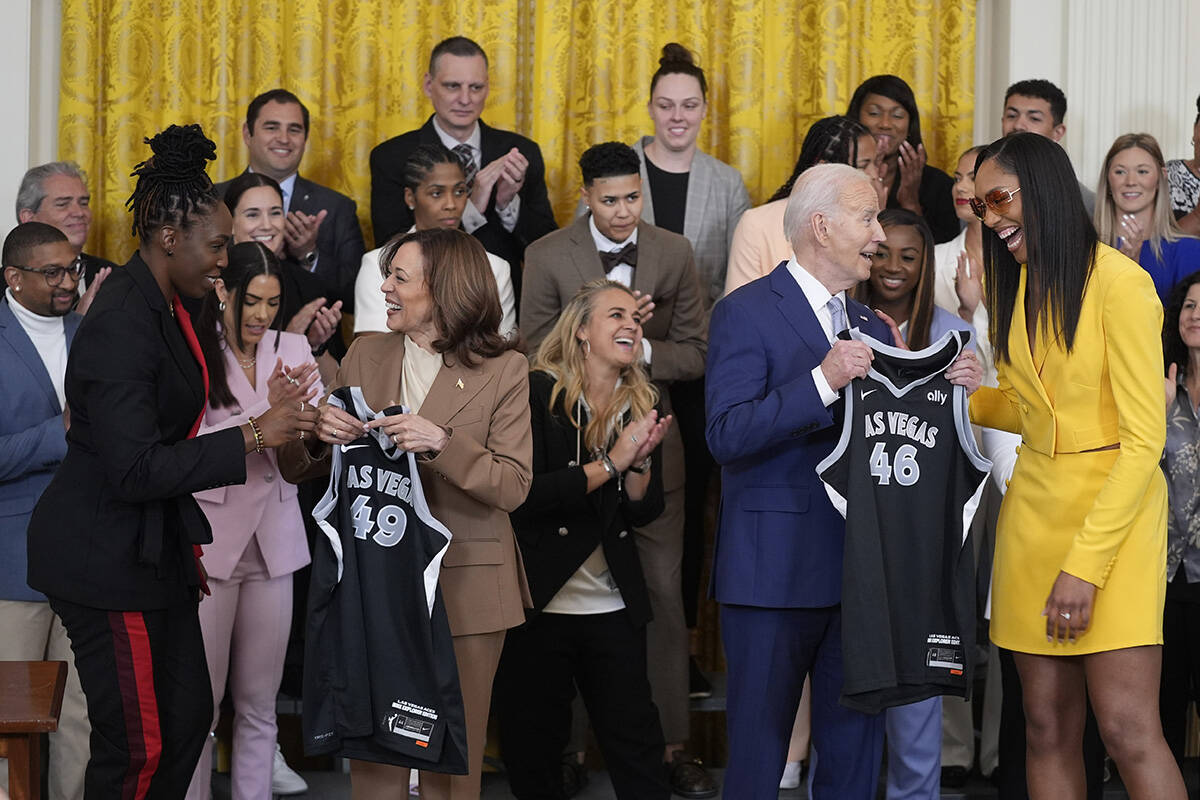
284,779
791,775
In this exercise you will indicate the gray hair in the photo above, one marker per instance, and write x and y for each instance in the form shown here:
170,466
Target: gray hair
818,190
31,194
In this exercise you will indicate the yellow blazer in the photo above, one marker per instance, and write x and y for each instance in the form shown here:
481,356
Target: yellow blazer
484,472
1107,391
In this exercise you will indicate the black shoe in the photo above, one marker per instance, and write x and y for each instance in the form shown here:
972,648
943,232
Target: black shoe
699,686
689,778
954,777
574,775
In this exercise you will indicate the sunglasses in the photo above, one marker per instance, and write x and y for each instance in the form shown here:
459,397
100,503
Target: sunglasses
997,200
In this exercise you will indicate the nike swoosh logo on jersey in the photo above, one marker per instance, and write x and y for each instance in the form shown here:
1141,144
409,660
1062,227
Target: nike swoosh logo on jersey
867,392
346,447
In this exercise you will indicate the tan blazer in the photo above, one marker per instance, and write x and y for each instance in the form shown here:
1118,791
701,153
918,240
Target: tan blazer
484,472
758,246
559,263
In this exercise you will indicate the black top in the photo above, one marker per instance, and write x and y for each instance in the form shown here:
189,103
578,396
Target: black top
668,193
560,523
115,527
92,265
937,203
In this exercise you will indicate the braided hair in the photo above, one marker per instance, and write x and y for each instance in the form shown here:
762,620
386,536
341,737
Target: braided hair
422,160
173,183
833,140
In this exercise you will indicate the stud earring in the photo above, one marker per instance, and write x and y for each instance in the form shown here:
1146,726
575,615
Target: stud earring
170,253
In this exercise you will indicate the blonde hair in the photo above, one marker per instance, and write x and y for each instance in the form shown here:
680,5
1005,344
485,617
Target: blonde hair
1163,227
561,355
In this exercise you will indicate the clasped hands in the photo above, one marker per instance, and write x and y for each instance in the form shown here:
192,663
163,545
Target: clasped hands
849,359
506,175
410,432
289,391
637,440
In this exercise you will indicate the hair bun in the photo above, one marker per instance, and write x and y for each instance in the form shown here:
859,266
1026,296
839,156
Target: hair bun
674,54
181,152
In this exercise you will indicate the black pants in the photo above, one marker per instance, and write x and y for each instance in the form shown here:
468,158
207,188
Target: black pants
1180,661
1011,769
148,697
687,401
605,656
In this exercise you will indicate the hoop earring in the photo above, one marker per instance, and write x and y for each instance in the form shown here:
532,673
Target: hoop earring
220,305
587,349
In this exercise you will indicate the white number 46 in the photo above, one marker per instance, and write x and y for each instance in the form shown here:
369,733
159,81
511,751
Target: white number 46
906,470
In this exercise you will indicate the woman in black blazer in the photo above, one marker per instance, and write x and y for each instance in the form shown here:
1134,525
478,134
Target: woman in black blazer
114,541
596,475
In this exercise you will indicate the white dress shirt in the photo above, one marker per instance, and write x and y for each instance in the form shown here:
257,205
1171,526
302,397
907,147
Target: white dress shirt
473,219
818,298
622,273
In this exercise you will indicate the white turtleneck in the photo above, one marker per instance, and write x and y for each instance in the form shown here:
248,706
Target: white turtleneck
49,338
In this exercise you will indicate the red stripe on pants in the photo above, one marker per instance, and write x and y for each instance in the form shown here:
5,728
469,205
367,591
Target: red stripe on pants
135,676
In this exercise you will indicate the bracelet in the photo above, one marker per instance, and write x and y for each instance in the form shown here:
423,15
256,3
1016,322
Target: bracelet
642,468
258,437
611,469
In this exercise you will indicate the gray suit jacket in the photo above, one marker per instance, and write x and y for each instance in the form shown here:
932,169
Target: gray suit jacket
559,263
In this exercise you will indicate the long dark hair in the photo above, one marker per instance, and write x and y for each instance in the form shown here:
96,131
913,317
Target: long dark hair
247,261
920,319
1174,350
1059,239
833,140
894,89
462,288
248,180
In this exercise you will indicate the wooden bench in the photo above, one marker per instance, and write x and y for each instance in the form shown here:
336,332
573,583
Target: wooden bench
31,694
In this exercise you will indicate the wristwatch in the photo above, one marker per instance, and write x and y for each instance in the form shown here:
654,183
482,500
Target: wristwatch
309,258
641,468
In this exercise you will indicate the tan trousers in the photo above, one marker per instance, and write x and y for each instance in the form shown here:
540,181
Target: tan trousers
30,631
477,655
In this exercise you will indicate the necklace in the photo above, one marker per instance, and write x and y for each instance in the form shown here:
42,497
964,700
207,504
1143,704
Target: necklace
249,363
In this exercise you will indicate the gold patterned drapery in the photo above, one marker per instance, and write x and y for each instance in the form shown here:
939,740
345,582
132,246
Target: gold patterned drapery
567,74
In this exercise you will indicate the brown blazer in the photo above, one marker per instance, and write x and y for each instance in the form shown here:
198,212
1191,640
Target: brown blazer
559,263
484,472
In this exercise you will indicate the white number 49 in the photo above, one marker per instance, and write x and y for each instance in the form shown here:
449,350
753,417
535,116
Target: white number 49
906,470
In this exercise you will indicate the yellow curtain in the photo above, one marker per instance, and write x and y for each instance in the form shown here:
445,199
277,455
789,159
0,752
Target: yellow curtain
567,74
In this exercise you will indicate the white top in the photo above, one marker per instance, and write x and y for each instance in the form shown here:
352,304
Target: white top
418,372
818,298
945,267
473,218
49,337
622,273
370,312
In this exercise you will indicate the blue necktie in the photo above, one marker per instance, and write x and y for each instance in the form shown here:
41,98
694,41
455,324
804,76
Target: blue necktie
837,314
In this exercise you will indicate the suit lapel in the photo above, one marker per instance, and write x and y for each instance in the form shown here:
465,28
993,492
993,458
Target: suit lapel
302,196
12,332
171,332
454,387
795,308
1019,353
490,148
583,250
645,275
699,192
647,200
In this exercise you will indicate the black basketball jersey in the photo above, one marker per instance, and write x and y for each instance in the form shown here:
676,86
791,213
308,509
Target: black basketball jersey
380,676
907,476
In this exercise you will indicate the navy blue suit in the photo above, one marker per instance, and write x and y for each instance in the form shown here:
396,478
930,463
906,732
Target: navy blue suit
778,558
32,443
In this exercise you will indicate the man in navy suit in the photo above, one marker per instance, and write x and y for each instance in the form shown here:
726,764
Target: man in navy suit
509,207
321,230
41,275
773,414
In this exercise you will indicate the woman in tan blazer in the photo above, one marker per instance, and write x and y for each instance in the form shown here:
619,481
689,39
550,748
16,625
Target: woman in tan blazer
445,358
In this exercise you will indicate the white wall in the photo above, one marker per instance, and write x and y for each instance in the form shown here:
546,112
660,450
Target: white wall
1125,68
15,37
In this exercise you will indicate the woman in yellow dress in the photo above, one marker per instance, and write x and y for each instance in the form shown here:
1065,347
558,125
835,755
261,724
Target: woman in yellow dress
1080,566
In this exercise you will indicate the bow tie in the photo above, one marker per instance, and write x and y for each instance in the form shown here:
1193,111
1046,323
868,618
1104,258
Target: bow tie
626,255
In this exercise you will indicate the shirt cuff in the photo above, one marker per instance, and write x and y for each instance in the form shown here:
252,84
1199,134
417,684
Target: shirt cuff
828,395
508,214
472,220
647,351
313,266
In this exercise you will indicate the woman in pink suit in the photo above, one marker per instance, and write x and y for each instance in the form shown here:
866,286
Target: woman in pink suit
258,539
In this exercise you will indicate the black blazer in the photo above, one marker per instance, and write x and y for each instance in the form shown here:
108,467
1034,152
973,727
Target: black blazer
340,244
559,524
92,265
390,215
115,527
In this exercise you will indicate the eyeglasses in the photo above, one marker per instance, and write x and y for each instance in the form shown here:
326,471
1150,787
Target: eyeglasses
997,200
54,275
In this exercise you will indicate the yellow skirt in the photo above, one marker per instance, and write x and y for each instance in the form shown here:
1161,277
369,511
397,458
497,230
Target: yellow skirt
1046,503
